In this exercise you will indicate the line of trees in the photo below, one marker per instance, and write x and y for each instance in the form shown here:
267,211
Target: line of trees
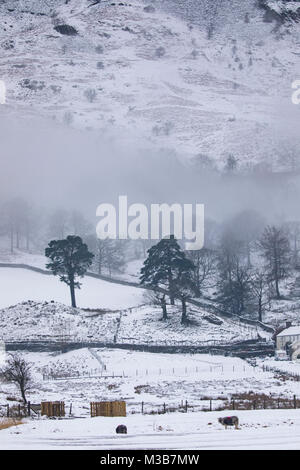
242,268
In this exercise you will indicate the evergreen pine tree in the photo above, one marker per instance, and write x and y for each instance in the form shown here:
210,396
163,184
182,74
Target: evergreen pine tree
70,258
184,283
159,269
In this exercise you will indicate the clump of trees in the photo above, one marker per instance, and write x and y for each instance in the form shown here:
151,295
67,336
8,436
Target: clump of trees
242,265
168,269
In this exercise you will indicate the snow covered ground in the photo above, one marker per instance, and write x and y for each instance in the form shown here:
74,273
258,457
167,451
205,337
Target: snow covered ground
145,322
54,321
153,379
82,376
263,429
18,285
291,367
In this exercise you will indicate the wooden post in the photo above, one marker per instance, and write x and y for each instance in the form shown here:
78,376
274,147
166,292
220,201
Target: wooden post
295,402
186,406
19,411
28,408
70,412
164,408
7,411
254,404
142,407
210,405
233,404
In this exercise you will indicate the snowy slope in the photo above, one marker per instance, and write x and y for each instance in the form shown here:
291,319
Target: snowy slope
19,285
157,76
53,321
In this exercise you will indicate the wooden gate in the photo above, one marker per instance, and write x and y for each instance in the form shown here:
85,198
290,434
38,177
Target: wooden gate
108,408
53,408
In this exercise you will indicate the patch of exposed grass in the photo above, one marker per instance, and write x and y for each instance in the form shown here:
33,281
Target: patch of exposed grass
9,422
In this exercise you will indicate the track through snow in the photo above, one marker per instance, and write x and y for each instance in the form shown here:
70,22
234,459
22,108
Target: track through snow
263,429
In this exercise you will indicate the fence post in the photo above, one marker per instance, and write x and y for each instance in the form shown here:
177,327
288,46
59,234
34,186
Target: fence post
295,402
210,405
186,406
254,404
70,412
233,404
7,411
19,411
28,408
142,407
164,408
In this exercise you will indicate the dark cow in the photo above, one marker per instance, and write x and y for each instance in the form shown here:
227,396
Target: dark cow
230,421
121,429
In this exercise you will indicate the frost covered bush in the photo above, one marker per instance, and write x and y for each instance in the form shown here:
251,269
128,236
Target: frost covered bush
34,85
160,51
90,94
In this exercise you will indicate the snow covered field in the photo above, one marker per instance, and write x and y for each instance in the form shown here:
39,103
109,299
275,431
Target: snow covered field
86,375
153,379
263,429
18,285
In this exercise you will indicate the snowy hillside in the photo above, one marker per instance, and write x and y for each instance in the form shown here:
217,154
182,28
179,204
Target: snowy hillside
52,321
19,285
206,81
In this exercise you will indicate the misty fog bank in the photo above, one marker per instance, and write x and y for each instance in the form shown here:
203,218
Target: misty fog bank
55,166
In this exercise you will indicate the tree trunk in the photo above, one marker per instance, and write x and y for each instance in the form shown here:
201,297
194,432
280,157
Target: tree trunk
23,393
99,267
260,309
164,308
277,288
11,240
183,316
171,290
27,240
18,239
248,255
72,290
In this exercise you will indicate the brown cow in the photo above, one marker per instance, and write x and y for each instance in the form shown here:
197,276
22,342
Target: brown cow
230,421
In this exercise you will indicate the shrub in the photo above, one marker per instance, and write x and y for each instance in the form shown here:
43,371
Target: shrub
66,29
90,94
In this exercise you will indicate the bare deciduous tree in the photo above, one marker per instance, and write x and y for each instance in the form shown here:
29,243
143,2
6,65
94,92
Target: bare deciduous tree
18,371
274,246
260,291
204,261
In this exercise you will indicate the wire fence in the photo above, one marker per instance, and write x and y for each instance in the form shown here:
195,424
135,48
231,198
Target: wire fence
238,402
208,368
